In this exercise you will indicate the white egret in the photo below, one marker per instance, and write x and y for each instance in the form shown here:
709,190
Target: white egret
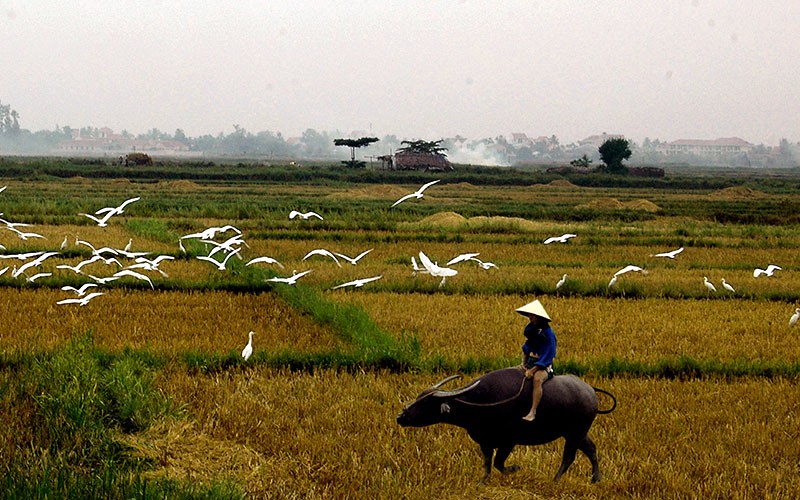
3,271
630,268
64,243
80,292
34,263
324,253
416,194
670,255
354,260
118,209
103,281
228,245
709,285
435,270
727,286
248,349
559,239
100,221
21,256
484,265
25,235
291,280
268,260
304,215
769,271
794,317
358,283
416,267
220,265
36,276
612,282
461,258
134,274
83,300
128,246
561,282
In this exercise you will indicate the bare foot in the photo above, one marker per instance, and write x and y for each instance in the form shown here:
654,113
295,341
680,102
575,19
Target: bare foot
530,416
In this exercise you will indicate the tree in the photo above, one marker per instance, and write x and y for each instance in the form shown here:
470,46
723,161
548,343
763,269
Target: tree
428,147
583,161
9,120
613,152
353,144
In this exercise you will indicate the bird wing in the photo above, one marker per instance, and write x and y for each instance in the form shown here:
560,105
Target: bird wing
404,198
461,258
362,254
427,185
427,263
268,260
293,214
550,240
313,214
323,252
772,268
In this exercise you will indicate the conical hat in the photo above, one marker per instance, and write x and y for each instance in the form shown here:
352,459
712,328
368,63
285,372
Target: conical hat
535,308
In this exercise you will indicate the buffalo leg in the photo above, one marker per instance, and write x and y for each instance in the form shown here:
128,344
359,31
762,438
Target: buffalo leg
590,450
488,451
570,449
500,459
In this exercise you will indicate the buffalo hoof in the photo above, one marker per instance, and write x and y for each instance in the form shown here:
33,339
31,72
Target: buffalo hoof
596,478
510,469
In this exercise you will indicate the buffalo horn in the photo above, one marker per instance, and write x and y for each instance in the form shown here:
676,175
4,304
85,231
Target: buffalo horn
457,392
448,379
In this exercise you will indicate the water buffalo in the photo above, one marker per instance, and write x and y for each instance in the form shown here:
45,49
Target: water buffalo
491,408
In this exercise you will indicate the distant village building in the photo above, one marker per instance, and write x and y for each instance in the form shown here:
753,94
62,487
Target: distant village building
725,146
105,141
599,139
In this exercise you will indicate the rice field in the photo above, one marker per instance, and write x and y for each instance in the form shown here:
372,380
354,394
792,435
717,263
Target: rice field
311,415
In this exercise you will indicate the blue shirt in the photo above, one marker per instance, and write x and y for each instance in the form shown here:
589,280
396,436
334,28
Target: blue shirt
541,342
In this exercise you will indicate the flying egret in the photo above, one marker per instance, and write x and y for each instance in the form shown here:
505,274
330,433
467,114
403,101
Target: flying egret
227,245
794,317
324,253
103,281
461,258
34,263
769,271
357,283
727,286
134,274
36,276
248,349
435,270
268,260
354,260
416,194
80,292
484,265
25,235
291,280
220,265
416,267
709,285
561,282
118,209
559,239
304,215
100,221
630,268
670,255
83,300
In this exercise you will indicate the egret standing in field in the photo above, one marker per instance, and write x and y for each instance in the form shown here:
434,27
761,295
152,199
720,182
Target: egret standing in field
709,285
248,349
727,286
416,194
561,282
794,317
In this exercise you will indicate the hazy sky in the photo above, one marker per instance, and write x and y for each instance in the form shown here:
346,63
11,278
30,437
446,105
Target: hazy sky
427,69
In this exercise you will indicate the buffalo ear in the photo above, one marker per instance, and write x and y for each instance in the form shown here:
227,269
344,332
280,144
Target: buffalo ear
444,408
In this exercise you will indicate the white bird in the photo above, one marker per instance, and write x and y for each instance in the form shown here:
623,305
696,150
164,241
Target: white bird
80,292
357,283
462,258
291,280
354,260
220,265
324,253
561,282
613,281
211,232
248,349
34,263
25,235
134,274
83,300
484,265
630,268
21,256
180,245
416,194
118,209
435,270
228,245
559,239
103,281
128,246
100,221
77,267
268,260
670,255
304,215
794,317
709,285
64,243
37,276
769,271
727,286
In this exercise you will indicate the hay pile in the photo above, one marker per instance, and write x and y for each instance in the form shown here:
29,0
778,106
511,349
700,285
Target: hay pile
385,191
182,184
558,183
453,220
736,193
615,204
441,219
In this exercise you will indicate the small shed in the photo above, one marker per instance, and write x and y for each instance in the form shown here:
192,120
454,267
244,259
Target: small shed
410,160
